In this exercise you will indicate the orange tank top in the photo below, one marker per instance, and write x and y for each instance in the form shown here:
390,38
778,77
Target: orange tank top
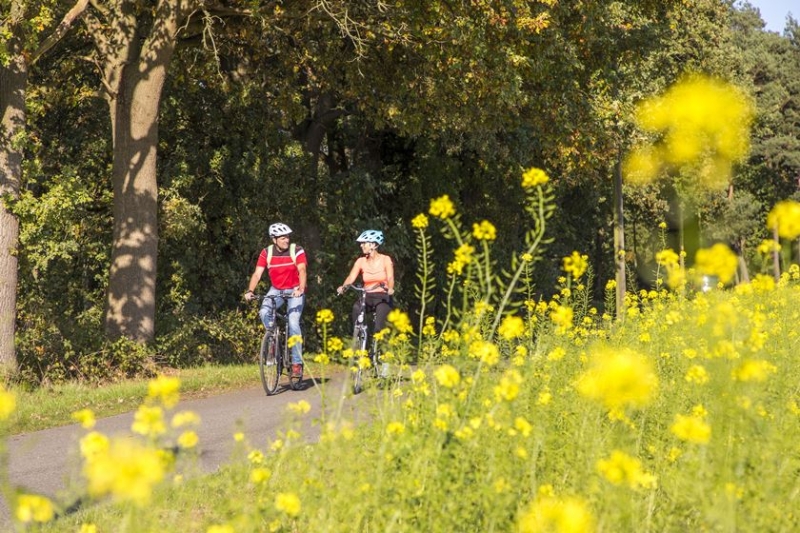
374,272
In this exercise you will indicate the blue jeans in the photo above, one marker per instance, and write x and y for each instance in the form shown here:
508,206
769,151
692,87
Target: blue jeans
294,310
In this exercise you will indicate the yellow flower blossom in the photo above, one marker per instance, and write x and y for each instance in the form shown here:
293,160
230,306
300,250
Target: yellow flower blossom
188,439
697,374
509,385
511,327
619,378
704,125
302,407
34,508
395,428
442,207
622,469
260,475
447,376
691,429
127,471
576,264
149,421
562,317
534,177
420,221
785,216
484,231
556,515
485,351
85,417
754,370
8,403
400,321
294,340
324,316
164,389
335,344
288,503
717,261
185,418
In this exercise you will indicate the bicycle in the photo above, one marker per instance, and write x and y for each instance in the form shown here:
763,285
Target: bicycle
362,338
275,356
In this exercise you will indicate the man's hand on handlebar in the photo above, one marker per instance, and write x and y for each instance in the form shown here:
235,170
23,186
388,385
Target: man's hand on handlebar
249,296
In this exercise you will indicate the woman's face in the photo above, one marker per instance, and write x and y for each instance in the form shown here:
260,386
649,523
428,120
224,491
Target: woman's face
367,247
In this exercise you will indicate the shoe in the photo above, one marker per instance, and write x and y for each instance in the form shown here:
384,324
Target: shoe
297,371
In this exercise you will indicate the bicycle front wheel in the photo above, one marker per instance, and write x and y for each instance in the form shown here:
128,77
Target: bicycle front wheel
269,364
359,351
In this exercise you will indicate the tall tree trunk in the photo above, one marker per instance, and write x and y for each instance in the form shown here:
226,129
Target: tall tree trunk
135,75
13,84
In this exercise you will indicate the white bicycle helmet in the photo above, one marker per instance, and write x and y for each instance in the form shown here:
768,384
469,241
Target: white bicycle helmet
279,229
371,235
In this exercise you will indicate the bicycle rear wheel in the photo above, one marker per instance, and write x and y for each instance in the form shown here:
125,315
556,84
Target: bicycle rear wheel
270,363
359,349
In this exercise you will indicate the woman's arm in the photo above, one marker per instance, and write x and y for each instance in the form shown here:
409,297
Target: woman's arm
389,275
354,272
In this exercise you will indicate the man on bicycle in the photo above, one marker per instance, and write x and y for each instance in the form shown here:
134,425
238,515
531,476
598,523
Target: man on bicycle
286,263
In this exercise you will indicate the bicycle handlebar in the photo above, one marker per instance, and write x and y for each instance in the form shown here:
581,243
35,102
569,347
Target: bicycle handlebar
362,289
283,294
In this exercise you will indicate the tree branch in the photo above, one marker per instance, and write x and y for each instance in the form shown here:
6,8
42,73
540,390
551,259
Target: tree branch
66,23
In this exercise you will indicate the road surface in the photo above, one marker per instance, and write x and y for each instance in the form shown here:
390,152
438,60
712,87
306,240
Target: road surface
47,462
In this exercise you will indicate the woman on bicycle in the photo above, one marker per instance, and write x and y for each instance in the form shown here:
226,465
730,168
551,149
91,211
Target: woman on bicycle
377,273
287,266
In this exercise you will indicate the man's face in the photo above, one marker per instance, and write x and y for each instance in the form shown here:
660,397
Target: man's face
281,242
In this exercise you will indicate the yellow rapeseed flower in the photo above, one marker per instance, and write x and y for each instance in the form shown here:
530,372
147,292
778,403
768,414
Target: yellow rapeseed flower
188,439
302,407
294,340
395,428
335,344
562,317
260,475
400,321
324,316
556,515
754,370
576,264
622,469
697,374
484,351
8,403
447,376
420,221
691,429
127,471
508,388
484,231
442,207
34,508
149,421
533,177
289,503
619,378
785,216
85,417
511,327
185,418
717,261
164,389
704,124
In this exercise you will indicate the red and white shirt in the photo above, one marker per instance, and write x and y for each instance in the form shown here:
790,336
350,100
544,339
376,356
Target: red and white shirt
283,274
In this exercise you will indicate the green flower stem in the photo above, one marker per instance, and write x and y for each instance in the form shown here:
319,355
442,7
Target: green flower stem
539,230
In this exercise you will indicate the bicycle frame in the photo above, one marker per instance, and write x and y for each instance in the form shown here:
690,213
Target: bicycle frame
362,337
275,357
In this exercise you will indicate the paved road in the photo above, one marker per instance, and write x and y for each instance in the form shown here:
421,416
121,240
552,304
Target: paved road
46,462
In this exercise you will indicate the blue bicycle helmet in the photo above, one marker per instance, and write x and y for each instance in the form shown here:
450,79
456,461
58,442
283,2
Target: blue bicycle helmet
371,235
